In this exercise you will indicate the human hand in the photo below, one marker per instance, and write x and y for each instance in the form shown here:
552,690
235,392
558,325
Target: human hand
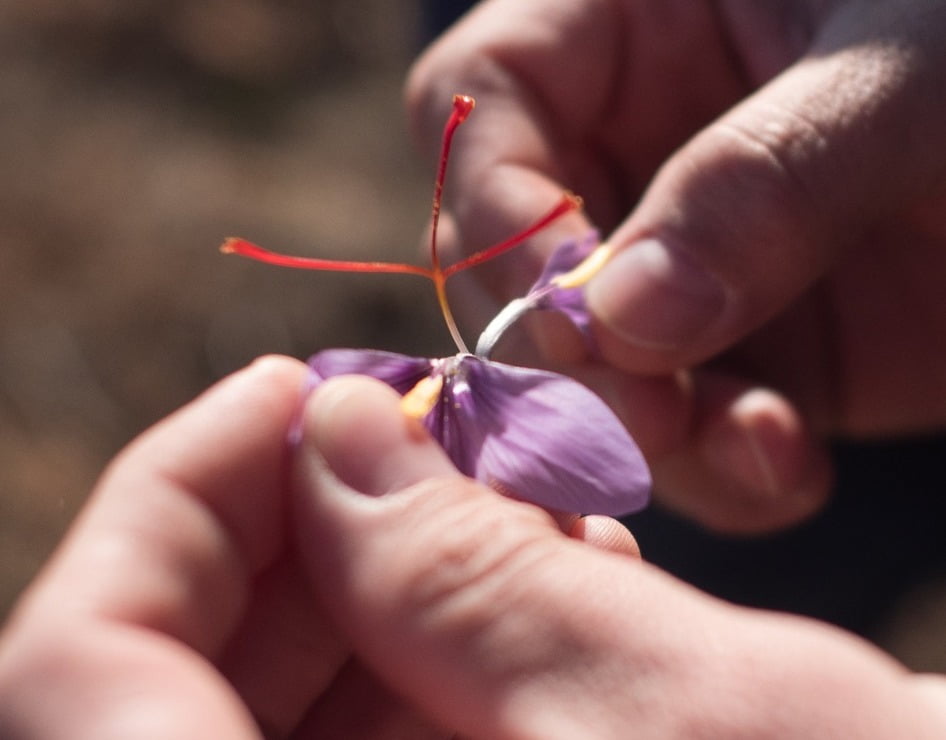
176,607
179,606
481,613
367,590
773,179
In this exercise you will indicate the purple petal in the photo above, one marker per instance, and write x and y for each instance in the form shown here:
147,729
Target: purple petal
540,437
566,258
399,371
569,301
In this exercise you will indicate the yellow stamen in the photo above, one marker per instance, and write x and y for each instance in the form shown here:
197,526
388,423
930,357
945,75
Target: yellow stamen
420,399
585,270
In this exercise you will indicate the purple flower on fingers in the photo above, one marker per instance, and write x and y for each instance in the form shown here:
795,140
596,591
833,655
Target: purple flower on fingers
531,434
550,294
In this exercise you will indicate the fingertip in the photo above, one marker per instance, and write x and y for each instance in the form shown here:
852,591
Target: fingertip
605,533
761,442
271,381
752,466
276,365
737,224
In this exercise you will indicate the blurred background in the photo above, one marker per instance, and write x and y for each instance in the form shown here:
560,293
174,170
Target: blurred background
134,137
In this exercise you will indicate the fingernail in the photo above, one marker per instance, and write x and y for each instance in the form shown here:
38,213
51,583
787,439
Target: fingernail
357,427
338,425
656,297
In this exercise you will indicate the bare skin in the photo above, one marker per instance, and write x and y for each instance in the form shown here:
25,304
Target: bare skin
773,176
362,588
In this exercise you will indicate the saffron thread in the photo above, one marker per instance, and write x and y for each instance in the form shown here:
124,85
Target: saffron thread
462,107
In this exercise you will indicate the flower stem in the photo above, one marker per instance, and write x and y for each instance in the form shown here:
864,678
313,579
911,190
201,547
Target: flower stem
511,313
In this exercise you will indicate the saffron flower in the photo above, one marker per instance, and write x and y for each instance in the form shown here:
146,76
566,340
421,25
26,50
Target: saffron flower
530,434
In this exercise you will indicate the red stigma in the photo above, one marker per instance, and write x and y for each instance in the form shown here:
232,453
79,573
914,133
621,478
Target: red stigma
462,107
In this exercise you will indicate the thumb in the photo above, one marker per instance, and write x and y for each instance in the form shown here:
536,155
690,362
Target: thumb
449,592
749,213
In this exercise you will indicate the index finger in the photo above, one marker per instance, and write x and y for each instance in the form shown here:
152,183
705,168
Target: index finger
570,95
184,517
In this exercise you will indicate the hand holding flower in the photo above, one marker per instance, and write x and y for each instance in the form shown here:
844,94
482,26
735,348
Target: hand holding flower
527,433
483,614
769,176
362,588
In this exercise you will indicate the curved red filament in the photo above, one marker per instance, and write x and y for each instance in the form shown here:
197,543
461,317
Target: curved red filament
462,107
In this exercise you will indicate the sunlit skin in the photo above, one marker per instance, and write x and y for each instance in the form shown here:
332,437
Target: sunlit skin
792,149
217,586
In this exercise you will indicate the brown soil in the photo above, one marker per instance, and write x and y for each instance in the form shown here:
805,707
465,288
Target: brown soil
135,137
